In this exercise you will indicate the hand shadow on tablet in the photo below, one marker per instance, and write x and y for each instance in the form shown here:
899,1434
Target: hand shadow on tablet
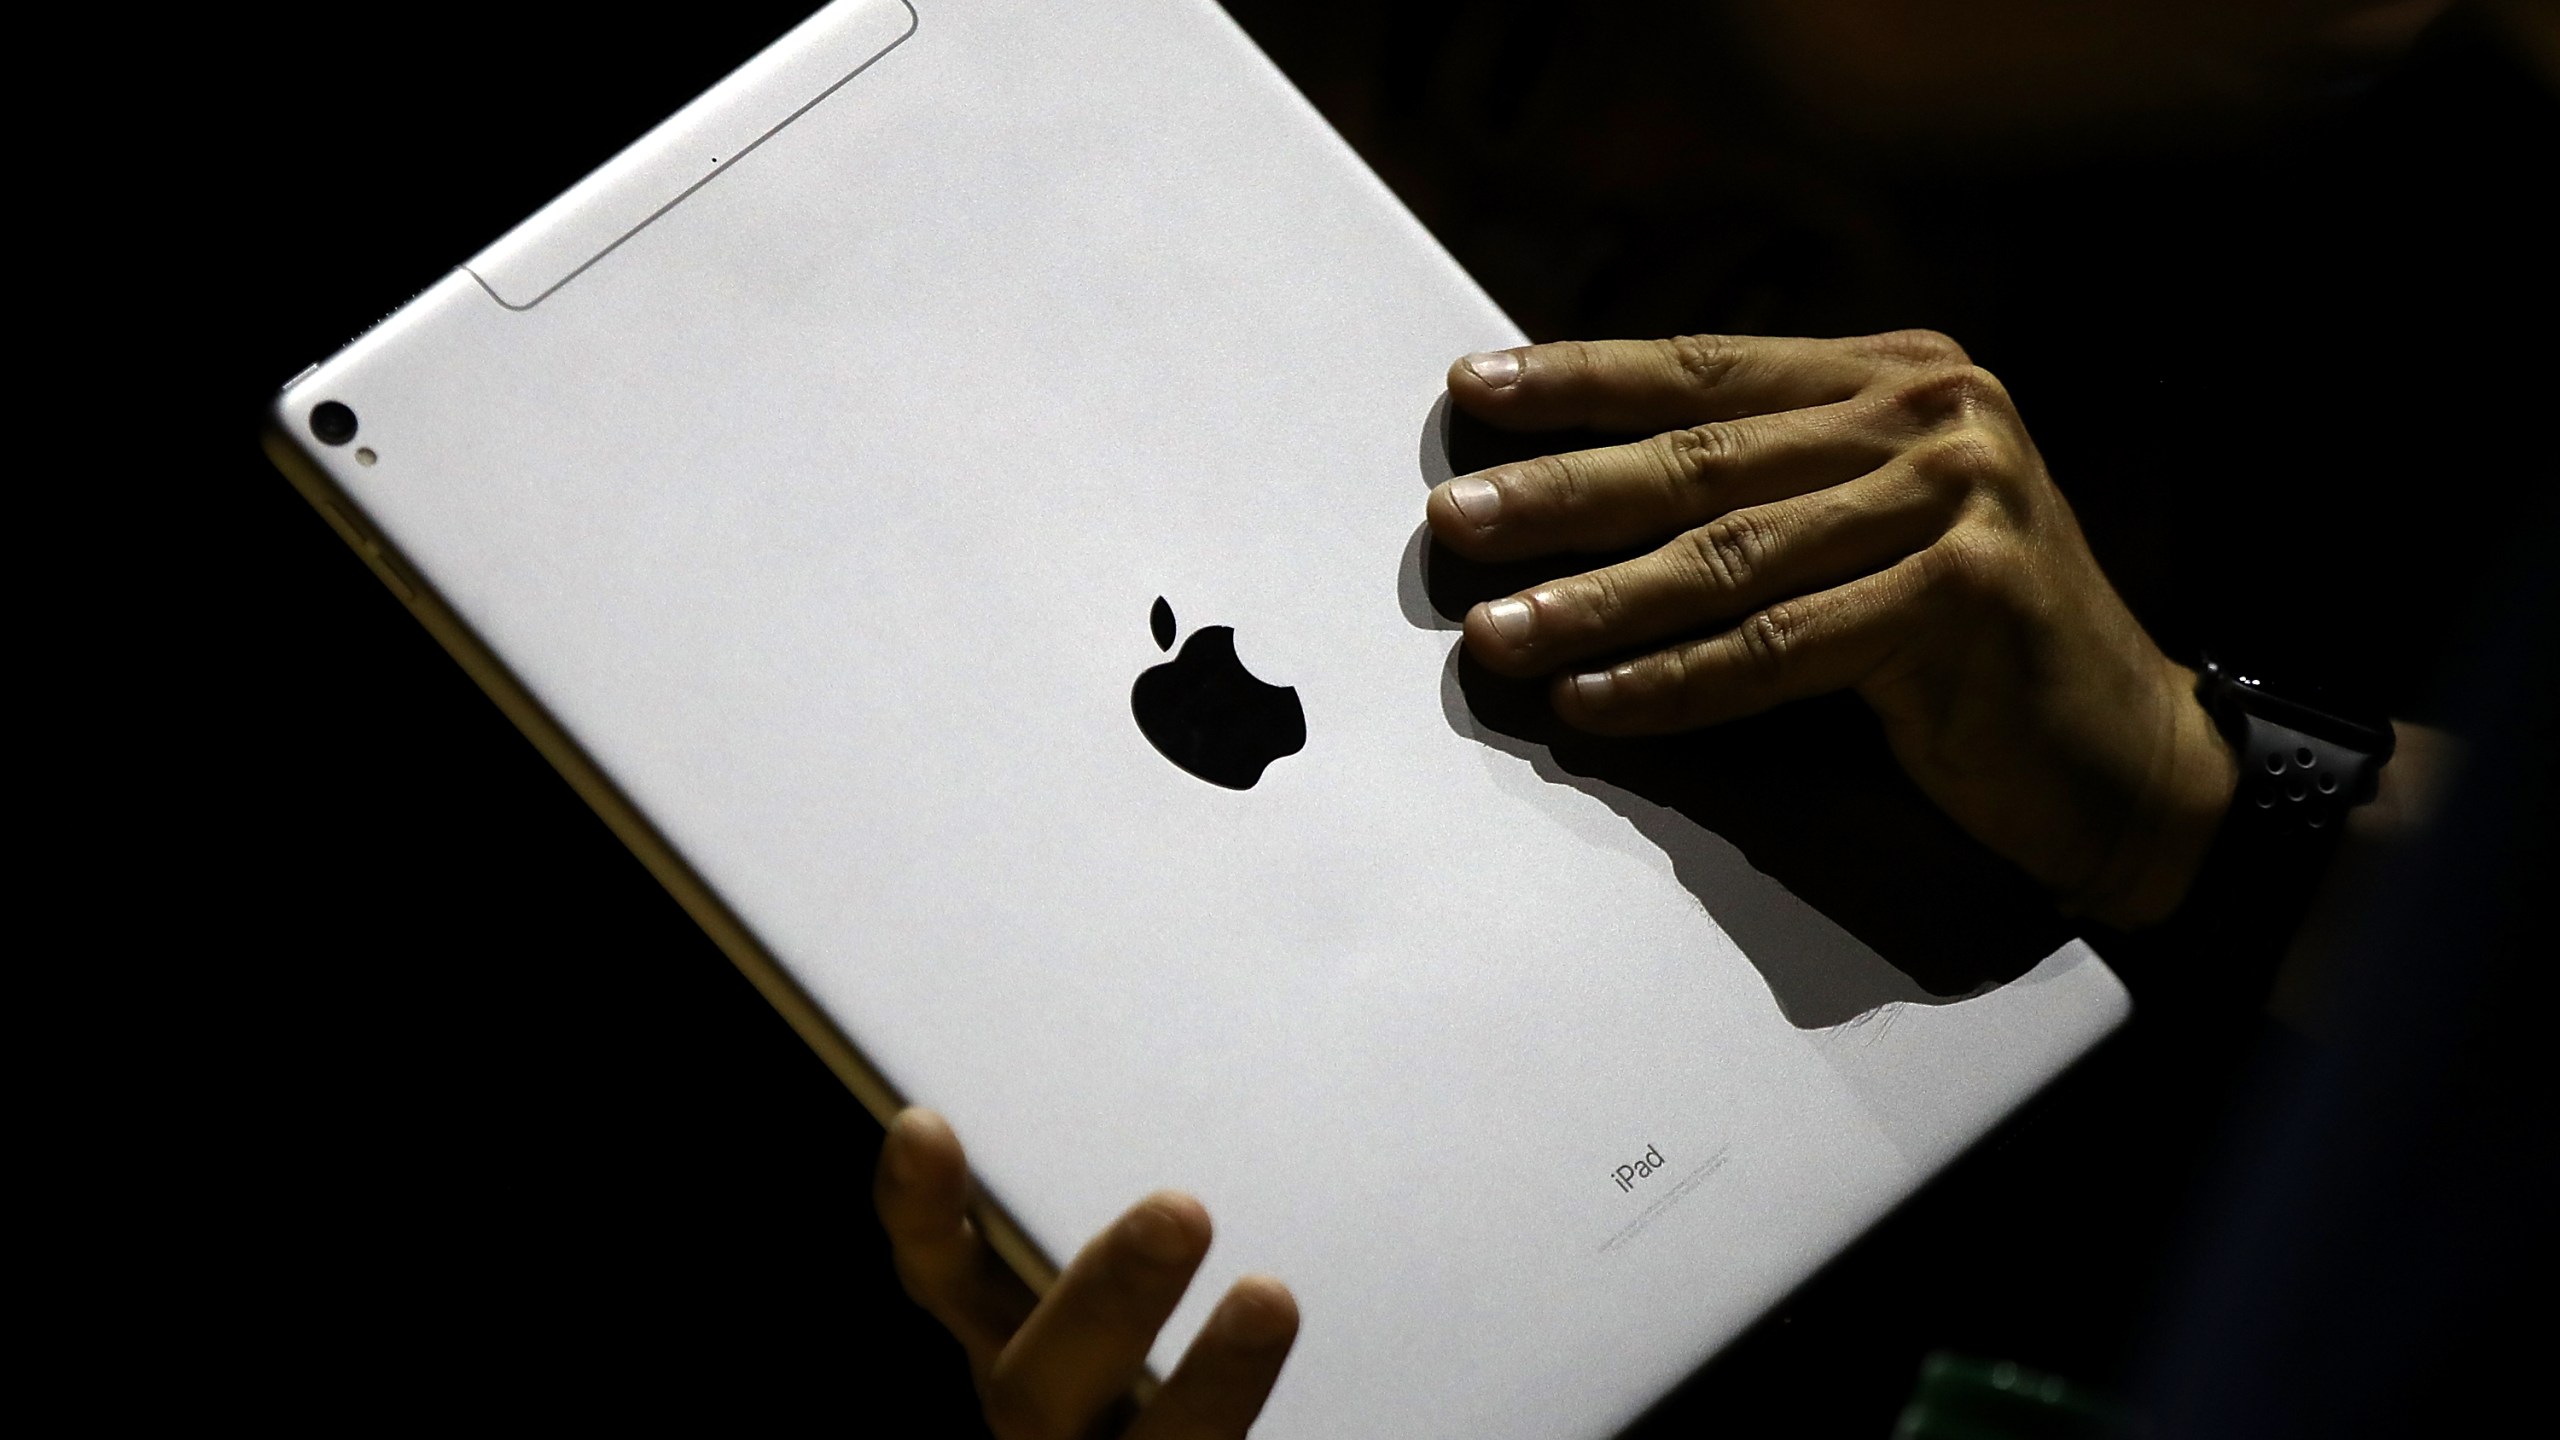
1796,829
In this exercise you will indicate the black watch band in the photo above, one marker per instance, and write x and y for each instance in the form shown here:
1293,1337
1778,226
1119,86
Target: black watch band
2302,768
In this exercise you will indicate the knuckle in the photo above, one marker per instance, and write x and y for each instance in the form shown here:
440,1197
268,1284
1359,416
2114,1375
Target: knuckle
1981,390
1963,568
1692,453
1767,643
1602,598
1730,550
1964,457
1704,361
1558,483
1663,680
1956,392
1965,461
1688,462
1916,347
1575,361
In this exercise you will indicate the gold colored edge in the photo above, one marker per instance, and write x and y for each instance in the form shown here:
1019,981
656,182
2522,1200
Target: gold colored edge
634,829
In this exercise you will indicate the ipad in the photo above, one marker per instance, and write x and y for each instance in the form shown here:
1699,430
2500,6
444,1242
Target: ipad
951,498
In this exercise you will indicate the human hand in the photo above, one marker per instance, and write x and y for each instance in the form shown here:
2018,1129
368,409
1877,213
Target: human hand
1061,1366
1864,514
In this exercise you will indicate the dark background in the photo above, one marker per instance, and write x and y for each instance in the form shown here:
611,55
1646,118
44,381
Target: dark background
460,1115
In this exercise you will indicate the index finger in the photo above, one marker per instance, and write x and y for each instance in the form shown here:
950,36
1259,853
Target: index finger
1089,1337
1634,386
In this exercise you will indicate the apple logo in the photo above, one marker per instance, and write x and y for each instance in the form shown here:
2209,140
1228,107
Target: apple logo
1209,714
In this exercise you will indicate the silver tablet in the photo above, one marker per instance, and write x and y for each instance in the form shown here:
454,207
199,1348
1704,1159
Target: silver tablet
951,498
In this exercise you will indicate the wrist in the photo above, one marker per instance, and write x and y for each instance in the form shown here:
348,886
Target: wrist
2164,843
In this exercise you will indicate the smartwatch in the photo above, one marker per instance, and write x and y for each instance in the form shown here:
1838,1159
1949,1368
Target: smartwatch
2305,760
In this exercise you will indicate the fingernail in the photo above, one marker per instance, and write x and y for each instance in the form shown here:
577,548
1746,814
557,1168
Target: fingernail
1498,369
1594,689
1510,619
1479,500
1154,1233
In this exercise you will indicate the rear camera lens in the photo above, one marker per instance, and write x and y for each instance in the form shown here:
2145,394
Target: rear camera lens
333,423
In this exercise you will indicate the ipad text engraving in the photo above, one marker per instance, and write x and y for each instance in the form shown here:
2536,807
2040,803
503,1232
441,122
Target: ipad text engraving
1643,1165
